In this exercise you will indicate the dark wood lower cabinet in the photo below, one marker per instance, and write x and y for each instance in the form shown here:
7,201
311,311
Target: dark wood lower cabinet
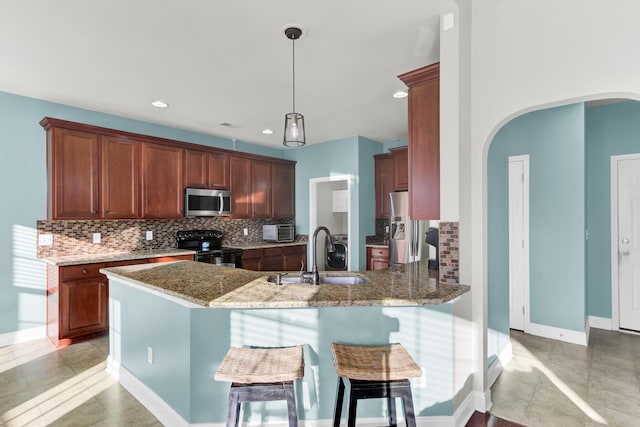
277,258
377,258
78,299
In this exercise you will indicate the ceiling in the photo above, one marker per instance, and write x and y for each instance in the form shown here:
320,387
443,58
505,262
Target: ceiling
219,62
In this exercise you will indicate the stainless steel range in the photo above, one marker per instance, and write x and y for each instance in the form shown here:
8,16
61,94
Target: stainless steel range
208,247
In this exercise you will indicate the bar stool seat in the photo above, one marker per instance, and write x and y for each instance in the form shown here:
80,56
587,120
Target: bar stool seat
374,372
261,374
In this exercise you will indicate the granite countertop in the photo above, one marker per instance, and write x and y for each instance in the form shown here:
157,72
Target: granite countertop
377,245
124,256
214,286
263,245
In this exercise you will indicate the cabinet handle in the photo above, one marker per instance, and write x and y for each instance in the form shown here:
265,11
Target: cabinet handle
85,271
102,284
107,211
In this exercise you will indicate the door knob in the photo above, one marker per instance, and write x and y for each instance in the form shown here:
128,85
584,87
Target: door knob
625,241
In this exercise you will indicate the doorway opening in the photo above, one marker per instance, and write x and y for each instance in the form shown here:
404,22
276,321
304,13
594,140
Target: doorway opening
330,206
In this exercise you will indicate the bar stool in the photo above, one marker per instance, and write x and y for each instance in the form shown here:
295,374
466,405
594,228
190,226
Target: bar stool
261,374
375,372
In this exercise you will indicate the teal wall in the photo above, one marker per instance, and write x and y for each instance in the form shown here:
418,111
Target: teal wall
205,334
23,171
555,141
612,129
23,193
348,156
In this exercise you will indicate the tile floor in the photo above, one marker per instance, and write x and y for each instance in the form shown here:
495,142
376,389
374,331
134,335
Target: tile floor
552,383
548,383
42,386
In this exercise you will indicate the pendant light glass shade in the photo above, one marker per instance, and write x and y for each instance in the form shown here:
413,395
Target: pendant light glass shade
293,122
293,130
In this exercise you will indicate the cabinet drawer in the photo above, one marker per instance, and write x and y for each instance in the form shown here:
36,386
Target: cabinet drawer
298,249
128,262
251,253
81,271
172,258
379,253
271,252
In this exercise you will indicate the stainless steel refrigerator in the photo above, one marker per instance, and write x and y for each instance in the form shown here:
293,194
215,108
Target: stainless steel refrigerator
405,234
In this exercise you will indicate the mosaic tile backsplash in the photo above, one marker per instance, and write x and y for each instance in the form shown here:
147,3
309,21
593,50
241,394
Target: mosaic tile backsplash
117,236
448,235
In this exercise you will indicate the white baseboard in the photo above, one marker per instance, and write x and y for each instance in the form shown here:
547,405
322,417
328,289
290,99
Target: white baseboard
600,323
566,335
23,335
498,365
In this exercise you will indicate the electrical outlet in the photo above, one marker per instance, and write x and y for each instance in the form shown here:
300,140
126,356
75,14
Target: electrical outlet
96,237
149,235
45,240
150,355
420,382
245,231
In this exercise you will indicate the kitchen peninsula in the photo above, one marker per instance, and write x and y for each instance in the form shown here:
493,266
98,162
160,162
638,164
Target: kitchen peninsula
171,325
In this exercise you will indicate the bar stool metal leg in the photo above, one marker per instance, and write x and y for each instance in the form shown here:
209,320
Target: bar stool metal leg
353,406
393,422
234,410
291,405
337,411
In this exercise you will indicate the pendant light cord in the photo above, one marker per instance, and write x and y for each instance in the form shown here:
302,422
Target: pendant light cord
294,74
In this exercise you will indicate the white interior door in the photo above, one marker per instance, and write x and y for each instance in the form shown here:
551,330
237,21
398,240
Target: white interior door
518,242
629,243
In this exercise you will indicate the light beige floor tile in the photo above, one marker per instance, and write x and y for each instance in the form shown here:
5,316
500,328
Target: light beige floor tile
544,416
69,414
571,390
566,371
624,388
613,360
559,400
614,400
507,388
571,351
80,361
615,372
612,418
510,409
18,408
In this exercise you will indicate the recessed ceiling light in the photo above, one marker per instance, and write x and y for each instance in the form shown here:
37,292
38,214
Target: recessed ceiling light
267,131
400,94
159,104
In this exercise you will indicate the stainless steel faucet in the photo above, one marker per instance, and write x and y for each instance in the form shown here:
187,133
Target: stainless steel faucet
313,275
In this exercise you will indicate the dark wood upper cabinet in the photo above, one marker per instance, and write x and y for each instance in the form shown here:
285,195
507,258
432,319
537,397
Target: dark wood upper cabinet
120,178
424,141
218,171
162,181
196,169
95,172
283,187
72,163
400,158
260,189
383,184
240,181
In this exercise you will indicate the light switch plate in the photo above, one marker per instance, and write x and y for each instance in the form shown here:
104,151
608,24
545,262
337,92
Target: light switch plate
149,235
96,237
447,22
246,231
45,240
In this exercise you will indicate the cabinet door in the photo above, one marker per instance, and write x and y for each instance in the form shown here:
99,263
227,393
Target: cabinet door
383,184
218,171
120,178
400,158
283,189
260,189
196,169
73,187
294,258
83,306
240,177
162,181
424,141
377,258
252,259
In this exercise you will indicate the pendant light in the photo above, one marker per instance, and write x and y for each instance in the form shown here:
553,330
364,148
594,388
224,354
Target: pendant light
293,122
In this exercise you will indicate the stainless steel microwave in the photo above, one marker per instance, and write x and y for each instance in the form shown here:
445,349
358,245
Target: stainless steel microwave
279,232
206,202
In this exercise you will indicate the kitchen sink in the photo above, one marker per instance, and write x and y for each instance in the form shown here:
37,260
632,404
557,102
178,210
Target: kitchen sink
324,280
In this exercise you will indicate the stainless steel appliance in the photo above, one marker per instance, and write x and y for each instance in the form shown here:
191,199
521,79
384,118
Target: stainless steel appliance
405,243
338,259
279,232
206,202
208,247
